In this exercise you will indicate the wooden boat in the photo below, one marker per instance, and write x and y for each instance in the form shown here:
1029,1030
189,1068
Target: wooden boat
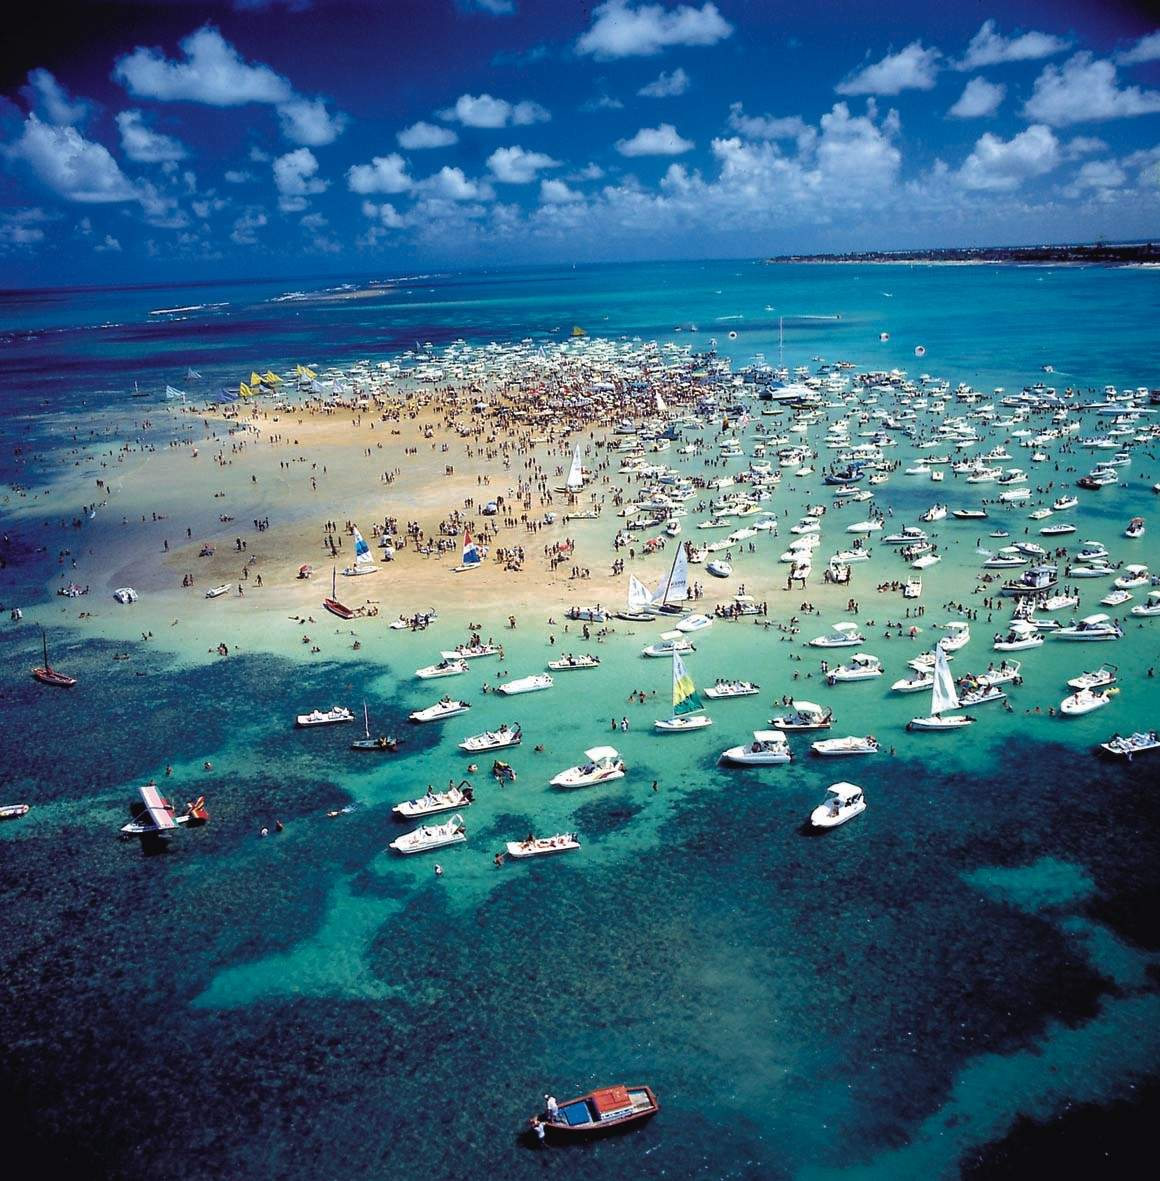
600,1112
47,675
332,604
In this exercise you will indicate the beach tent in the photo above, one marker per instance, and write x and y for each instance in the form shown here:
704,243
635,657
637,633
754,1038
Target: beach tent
226,394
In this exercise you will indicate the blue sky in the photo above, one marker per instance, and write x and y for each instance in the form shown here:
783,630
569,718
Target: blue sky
175,139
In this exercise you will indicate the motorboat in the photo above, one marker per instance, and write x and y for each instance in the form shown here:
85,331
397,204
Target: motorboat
530,684
851,745
1135,528
1021,634
731,689
845,556
493,739
1134,575
431,836
1056,530
864,527
13,811
943,697
1091,627
1116,598
1150,606
1007,558
562,842
969,514
568,662
1084,701
1141,742
914,684
445,668
436,801
907,535
921,563
1006,673
602,765
719,568
693,623
936,512
447,708
804,715
1063,503
319,717
1098,678
608,1109
958,635
217,591
975,693
471,651
912,588
587,614
1095,567
768,746
669,642
861,667
1036,580
841,635
843,802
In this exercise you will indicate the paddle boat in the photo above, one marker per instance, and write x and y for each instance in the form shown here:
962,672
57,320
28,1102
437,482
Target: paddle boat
562,842
850,745
493,739
436,801
768,746
804,715
445,708
530,684
434,836
843,802
602,766
608,1109
445,668
318,717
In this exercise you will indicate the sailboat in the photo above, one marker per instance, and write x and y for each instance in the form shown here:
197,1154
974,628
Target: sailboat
687,705
639,602
575,480
48,675
675,586
363,562
943,697
382,743
332,604
472,555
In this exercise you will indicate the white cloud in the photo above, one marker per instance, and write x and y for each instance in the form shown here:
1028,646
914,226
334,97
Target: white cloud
492,7
295,179
1097,174
144,146
556,192
108,245
1002,165
70,165
655,141
245,228
591,171
22,227
212,73
619,30
237,176
485,111
979,98
52,102
307,121
989,48
1147,49
855,150
602,102
666,85
514,166
1084,90
425,135
384,174
451,184
1083,145
912,68
160,208
767,126
385,213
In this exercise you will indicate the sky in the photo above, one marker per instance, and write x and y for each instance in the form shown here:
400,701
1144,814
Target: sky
171,140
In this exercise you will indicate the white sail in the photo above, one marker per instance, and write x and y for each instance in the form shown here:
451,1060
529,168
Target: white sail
575,479
943,696
638,594
674,587
661,405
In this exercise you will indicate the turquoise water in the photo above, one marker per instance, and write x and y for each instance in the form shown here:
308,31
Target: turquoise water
964,969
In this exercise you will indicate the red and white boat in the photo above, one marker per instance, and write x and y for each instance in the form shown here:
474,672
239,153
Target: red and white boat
48,675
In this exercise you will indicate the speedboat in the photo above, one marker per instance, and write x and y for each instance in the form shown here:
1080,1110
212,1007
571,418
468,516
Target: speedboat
979,694
1062,503
861,667
568,662
1134,575
1091,567
864,527
1115,598
532,684
926,560
679,723
1007,558
493,739
718,568
1150,606
1091,627
731,689
804,715
841,635
768,746
562,842
969,514
1056,530
436,801
447,708
906,536
1083,701
318,717
445,668
1007,672
959,635
693,623
433,836
843,802
1142,742
851,745
936,512
669,642
1135,528
602,766
1104,675
915,683
1021,634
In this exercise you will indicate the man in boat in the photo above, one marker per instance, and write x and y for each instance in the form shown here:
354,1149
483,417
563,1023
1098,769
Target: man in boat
552,1108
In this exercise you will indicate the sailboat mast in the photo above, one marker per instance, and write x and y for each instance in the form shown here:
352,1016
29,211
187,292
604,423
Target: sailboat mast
44,641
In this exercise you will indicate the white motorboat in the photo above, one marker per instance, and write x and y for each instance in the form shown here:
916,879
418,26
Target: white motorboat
586,614
216,591
980,694
851,745
1134,575
804,715
1098,678
1084,701
436,801
530,684
445,668
1007,558
943,697
768,746
1142,742
669,642
471,651
914,684
1021,634
1056,530
1135,528
1063,503
719,568
447,708
907,535
693,623
936,512
562,842
602,766
493,739
861,667
1006,673
1091,627
864,527
318,717
841,635
1150,606
1091,568
845,556
731,689
958,635
568,662
431,836
912,588
843,802
1116,598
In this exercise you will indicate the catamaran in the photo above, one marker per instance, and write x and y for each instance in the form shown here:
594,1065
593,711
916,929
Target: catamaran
363,562
943,697
568,662
724,688
687,708
319,717
472,557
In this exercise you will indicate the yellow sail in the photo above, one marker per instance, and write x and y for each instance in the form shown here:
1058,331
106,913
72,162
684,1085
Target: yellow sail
244,390
255,379
271,378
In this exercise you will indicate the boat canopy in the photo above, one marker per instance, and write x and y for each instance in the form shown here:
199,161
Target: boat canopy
845,793
599,753
770,736
807,707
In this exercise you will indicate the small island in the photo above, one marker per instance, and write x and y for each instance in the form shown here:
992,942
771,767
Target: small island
1089,253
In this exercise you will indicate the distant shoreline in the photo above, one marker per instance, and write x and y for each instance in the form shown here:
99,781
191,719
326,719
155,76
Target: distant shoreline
1132,254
